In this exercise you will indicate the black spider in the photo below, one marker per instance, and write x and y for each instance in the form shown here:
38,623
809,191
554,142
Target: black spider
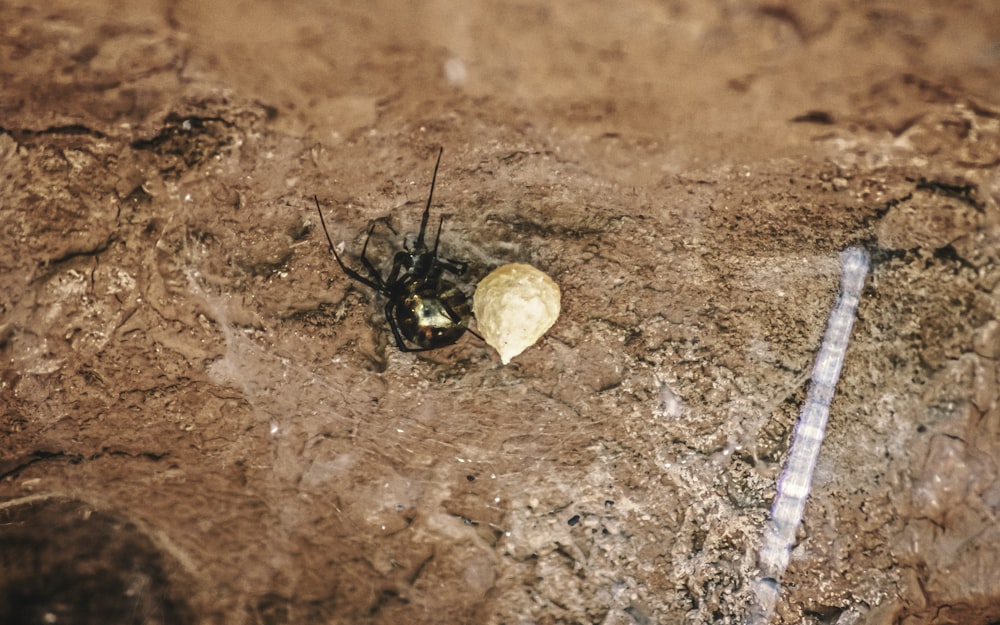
424,307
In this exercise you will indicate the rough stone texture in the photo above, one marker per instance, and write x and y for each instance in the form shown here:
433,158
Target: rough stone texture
204,421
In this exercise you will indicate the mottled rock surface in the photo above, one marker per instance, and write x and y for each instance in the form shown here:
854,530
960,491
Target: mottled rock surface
202,420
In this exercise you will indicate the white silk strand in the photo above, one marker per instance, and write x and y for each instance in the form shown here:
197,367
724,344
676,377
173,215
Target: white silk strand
796,478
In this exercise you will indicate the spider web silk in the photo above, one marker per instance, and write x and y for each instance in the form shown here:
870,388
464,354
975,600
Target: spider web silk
796,478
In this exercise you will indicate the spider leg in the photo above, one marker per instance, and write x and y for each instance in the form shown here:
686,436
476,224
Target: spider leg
390,308
475,334
377,285
456,267
387,222
367,263
437,239
427,209
455,317
397,264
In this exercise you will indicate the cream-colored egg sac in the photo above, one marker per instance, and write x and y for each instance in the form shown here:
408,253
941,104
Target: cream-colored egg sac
514,306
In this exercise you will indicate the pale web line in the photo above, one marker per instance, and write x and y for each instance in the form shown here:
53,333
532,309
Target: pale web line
793,485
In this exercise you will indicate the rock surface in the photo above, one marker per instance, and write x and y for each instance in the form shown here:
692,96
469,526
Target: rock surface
201,416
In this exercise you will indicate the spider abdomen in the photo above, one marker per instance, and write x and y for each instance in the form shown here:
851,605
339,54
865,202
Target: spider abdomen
433,316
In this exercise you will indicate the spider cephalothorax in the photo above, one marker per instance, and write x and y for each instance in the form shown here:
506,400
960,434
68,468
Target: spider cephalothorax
425,309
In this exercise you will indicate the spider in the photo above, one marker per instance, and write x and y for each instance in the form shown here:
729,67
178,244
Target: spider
425,310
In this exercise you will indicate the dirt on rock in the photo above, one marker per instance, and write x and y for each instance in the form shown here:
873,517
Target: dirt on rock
204,420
